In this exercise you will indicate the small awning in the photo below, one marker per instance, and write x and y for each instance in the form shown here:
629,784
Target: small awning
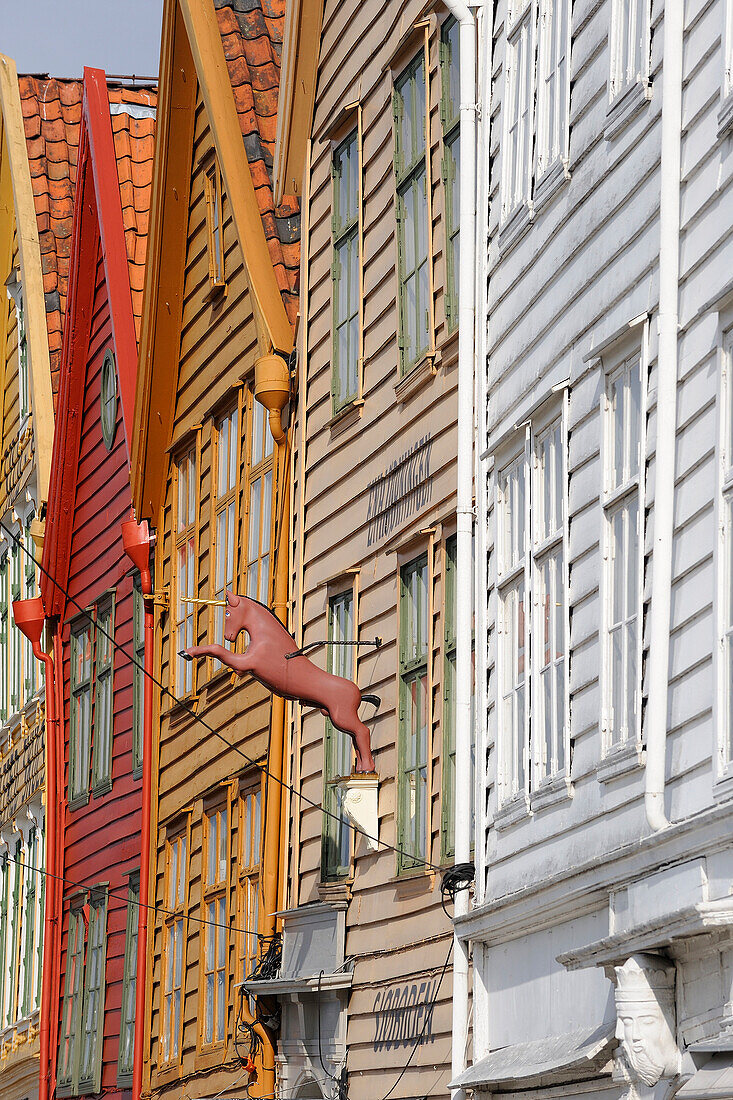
713,1080
570,1056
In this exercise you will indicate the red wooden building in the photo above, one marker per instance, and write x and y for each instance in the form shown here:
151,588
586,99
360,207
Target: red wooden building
93,604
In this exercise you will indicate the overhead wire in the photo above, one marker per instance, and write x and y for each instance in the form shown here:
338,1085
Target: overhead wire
188,709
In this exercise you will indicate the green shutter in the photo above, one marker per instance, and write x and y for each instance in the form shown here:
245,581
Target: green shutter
92,1016
30,925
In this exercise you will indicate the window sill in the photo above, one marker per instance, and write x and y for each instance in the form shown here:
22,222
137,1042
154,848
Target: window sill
516,225
124,1080
624,760
510,813
557,789
725,115
211,1055
78,801
137,772
101,789
334,891
416,377
413,881
346,416
551,183
181,708
625,106
723,786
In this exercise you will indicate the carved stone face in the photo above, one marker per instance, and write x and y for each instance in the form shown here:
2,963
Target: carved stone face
647,1040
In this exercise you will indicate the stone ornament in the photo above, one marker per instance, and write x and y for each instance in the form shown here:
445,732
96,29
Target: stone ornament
645,1014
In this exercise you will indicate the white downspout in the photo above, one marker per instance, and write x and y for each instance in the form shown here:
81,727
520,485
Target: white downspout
464,506
669,230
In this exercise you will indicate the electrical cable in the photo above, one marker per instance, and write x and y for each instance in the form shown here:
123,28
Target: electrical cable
188,709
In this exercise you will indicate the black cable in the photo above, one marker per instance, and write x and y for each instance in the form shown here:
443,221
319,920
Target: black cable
188,709
454,880
427,1016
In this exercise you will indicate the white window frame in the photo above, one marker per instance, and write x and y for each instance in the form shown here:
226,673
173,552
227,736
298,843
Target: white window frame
616,496
521,27
548,159
723,597
622,76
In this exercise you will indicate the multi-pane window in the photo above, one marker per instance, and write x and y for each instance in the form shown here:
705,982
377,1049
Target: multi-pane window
16,638
29,591
629,44
260,506
518,107
81,710
70,1036
413,281
216,940
108,399
248,879
345,271
30,924
138,677
336,844
412,813
622,551
5,872
92,1031
4,614
226,515
553,83
103,704
451,120
16,933
726,604
214,225
185,566
532,613
173,947
127,1016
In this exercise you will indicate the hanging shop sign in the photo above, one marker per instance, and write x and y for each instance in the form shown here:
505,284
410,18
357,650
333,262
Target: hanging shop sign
403,1015
403,489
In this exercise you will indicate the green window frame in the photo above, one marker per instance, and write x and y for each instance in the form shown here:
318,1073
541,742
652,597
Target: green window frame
413,756
411,210
23,387
4,902
16,934
4,610
82,638
69,1039
29,660
30,925
92,1029
336,841
450,116
138,676
127,1014
345,271
104,629
16,638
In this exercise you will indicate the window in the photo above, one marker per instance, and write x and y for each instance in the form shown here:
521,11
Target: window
4,903
127,1016
629,44
4,610
621,719
138,677
176,869
185,567
411,171
226,523
81,711
16,638
103,705
518,107
109,399
248,879
449,705
412,814
534,732
451,120
31,930
553,84
29,661
216,940
336,843
260,506
70,1036
16,933
214,226
345,272
92,1031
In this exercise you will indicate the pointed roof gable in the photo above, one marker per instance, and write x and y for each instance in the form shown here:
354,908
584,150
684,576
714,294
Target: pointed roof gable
115,149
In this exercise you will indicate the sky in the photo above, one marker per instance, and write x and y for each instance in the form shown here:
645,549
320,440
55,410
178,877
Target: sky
60,37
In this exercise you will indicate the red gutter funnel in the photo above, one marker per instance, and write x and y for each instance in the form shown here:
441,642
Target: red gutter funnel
30,618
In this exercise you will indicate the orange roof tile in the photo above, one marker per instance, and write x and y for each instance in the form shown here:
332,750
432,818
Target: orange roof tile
133,132
251,34
52,117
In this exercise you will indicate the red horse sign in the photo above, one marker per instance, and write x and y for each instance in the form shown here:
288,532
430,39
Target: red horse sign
271,658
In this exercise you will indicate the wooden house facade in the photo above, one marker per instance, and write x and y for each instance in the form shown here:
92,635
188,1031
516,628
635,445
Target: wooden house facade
212,482
367,134
93,604
35,218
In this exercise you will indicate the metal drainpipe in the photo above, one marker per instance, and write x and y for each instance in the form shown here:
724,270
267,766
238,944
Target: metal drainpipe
669,223
29,618
464,504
